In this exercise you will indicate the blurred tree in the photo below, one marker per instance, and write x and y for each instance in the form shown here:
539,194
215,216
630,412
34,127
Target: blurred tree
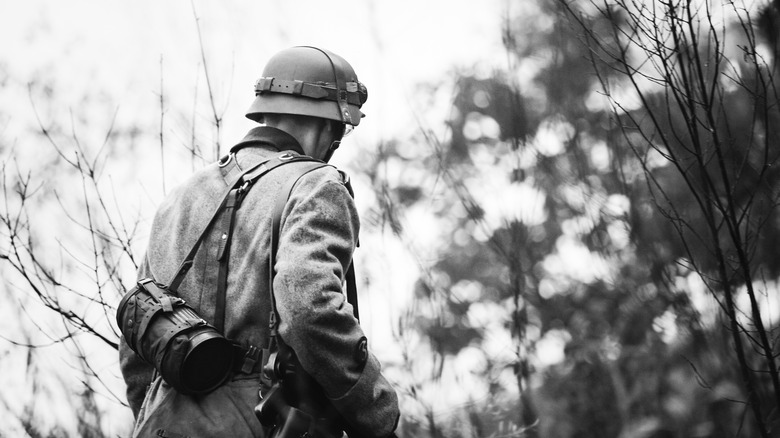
574,225
705,135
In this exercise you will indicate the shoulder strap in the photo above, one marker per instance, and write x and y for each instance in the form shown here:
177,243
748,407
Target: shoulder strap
232,197
225,230
273,319
186,264
352,296
281,201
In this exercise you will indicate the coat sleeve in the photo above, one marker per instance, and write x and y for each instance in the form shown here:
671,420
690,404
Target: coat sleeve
317,239
136,372
137,375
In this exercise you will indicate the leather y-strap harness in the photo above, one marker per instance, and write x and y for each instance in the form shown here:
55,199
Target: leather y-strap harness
248,356
230,203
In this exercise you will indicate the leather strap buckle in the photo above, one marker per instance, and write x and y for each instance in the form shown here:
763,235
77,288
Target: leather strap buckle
244,187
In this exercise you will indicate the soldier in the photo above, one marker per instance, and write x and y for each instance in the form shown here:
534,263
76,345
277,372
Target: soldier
307,99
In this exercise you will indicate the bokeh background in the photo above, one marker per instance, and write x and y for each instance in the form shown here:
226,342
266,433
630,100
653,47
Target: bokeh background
535,257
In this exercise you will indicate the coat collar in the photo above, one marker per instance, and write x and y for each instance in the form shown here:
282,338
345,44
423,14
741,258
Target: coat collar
268,136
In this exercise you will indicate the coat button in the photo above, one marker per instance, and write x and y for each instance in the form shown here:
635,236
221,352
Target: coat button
361,352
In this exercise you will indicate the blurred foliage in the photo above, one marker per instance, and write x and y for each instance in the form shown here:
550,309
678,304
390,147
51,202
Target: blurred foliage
543,207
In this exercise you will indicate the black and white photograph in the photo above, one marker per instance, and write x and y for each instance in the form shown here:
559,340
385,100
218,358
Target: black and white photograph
376,219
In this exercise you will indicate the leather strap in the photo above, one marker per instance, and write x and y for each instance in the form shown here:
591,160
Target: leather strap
229,205
273,318
186,264
352,297
281,201
327,91
226,230
341,86
246,178
165,303
232,203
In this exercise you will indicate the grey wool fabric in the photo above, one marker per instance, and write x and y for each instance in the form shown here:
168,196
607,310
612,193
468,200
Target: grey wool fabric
318,234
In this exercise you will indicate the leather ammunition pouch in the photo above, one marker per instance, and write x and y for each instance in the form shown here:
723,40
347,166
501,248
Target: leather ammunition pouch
190,354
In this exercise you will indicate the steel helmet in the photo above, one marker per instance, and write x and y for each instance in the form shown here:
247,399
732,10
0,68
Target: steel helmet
309,81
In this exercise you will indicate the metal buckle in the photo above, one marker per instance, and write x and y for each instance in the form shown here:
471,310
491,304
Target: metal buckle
226,160
243,187
286,156
250,359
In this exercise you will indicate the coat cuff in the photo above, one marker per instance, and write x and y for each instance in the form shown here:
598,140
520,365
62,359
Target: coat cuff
371,405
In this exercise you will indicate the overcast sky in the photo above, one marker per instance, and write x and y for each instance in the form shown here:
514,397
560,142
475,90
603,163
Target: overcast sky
117,47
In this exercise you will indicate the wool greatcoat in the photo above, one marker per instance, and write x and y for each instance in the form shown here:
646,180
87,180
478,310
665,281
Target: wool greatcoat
318,234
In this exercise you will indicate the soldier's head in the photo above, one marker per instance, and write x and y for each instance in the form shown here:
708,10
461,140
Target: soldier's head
313,92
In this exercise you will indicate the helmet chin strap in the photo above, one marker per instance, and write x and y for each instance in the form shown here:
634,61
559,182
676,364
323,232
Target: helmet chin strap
333,146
